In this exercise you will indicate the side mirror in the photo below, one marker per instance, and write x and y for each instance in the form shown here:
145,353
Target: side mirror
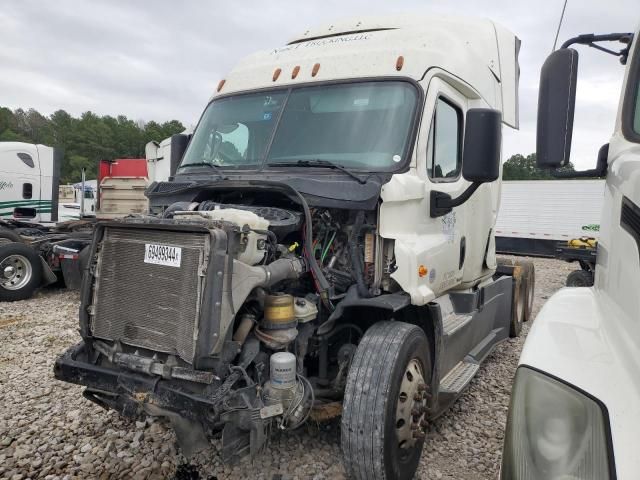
556,105
179,143
482,141
480,161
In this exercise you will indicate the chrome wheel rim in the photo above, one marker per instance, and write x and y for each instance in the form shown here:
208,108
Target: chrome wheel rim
15,272
411,407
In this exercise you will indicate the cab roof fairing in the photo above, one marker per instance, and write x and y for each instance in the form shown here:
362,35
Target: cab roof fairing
478,51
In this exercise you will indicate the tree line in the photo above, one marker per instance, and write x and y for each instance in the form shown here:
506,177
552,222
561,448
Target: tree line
85,140
519,167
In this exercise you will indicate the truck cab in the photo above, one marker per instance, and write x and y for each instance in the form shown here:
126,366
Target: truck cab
29,177
324,246
575,401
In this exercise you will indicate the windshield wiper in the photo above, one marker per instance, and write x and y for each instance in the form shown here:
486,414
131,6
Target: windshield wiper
202,164
321,164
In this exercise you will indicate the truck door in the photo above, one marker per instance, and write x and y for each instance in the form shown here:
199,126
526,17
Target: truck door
29,187
440,165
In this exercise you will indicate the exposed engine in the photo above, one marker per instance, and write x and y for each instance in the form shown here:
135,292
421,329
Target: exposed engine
254,332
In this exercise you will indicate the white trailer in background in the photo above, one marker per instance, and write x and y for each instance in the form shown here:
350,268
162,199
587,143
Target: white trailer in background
159,159
536,215
29,178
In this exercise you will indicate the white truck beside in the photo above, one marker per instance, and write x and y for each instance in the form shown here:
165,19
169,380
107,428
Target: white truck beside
575,406
324,246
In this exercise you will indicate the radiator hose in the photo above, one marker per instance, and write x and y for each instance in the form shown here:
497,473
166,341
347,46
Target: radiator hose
289,268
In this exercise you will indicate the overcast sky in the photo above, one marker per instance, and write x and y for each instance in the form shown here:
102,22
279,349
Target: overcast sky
162,60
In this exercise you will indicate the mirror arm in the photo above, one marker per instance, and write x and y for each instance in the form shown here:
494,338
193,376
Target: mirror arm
442,203
602,165
589,40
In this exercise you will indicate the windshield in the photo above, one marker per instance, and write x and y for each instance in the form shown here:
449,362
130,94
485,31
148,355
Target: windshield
364,125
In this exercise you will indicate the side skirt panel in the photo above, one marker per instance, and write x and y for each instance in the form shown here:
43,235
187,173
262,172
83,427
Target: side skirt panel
471,325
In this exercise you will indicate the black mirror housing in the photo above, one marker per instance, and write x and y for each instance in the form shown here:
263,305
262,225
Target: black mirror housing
482,142
480,161
556,106
179,143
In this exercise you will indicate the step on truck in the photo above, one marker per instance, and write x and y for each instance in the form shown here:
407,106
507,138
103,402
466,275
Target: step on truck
575,405
325,247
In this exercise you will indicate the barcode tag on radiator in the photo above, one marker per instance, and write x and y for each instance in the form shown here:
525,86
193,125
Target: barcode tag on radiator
162,255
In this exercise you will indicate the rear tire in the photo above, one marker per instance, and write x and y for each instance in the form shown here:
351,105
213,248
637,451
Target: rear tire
580,278
518,308
529,277
20,272
385,387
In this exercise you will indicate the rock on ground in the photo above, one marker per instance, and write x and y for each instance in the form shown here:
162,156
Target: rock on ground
48,430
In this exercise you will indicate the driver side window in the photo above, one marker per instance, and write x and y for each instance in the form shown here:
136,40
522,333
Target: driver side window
444,159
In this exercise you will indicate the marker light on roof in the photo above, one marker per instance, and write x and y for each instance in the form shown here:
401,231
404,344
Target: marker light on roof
399,63
315,69
276,74
220,85
296,69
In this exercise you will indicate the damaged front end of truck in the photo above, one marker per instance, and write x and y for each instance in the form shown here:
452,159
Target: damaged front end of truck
227,317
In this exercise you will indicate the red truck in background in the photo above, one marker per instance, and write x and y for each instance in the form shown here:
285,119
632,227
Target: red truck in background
121,186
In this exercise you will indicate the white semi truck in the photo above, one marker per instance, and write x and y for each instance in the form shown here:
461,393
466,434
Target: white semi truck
575,406
325,245
29,178
34,250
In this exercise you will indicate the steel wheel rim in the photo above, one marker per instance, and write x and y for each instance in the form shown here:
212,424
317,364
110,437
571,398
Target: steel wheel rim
410,421
522,305
15,272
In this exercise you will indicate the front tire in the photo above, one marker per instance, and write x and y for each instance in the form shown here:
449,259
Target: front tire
20,272
384,407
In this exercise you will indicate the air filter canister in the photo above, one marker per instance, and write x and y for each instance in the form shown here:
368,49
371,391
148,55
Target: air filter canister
283,370
279,312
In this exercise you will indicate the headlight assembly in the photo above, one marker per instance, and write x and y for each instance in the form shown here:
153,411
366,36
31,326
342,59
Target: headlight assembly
554,432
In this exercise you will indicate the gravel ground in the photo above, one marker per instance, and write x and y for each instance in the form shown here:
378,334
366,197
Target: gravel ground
48,430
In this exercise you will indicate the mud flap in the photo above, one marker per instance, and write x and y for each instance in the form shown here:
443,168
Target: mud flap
48,277
245,432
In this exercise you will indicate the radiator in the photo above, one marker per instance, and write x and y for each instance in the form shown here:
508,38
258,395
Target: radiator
149,305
